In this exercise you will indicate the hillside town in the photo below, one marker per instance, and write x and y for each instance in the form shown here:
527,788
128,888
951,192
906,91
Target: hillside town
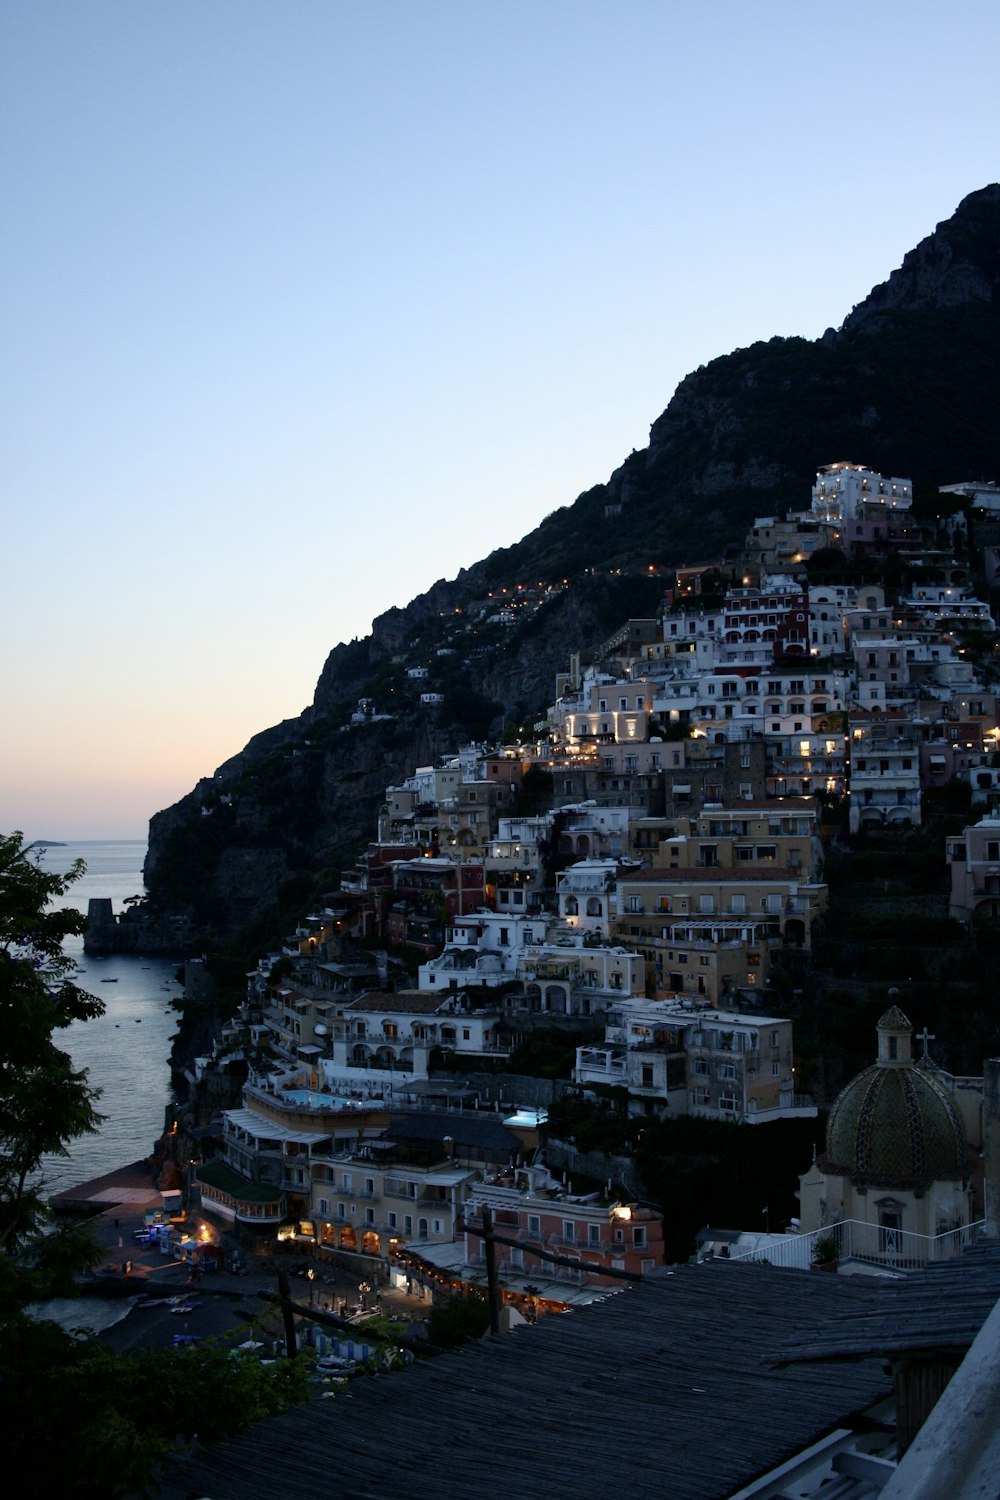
647,874
646,878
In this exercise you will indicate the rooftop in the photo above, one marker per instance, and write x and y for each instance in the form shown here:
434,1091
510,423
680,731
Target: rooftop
682,1359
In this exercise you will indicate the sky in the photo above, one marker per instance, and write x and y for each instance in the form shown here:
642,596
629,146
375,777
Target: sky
307,305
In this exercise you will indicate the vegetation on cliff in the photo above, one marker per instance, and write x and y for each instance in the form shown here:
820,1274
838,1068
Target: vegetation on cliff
909,385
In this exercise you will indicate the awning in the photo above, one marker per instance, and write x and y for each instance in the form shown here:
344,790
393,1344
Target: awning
269,1130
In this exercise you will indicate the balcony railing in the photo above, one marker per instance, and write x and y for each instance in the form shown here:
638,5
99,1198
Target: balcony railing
891,1249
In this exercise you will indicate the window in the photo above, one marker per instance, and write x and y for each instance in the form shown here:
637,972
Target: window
369,1216
370,1186
392,1220
534,1224
569,1230
594,1234
639,1236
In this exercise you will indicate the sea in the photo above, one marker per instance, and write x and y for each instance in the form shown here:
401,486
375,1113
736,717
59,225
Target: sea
126,1050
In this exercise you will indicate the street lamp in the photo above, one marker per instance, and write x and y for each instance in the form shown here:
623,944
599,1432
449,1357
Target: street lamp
621,1215
453,841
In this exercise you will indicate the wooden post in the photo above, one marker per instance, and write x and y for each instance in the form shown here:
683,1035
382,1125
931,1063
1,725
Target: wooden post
286,1312
493,1290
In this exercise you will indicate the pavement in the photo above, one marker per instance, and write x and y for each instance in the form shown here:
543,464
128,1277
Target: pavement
230,1304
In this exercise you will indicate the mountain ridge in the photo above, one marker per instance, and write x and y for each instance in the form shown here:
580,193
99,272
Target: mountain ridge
909,384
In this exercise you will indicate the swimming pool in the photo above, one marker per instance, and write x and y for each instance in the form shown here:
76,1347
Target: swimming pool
316,1099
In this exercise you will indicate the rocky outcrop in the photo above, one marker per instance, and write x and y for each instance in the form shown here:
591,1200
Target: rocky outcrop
135,931
909,385
956,265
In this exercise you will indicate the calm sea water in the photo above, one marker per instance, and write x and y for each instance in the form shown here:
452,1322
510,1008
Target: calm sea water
125,1051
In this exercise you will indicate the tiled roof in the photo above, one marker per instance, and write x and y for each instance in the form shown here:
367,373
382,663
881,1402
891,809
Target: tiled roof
894,1125
400,1002
936,1310
667,1390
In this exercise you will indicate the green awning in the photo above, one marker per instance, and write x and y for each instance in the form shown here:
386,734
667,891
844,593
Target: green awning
216,1174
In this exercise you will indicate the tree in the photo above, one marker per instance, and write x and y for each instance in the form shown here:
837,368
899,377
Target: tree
102,1421
458,1319
44,1101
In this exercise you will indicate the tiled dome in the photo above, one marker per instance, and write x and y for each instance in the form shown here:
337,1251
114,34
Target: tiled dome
895,1125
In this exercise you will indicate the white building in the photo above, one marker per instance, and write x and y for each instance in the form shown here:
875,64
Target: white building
843,491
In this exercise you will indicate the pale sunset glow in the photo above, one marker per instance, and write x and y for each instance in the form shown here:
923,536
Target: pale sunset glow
307,306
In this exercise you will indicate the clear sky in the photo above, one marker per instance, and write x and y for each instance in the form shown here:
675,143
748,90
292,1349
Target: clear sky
306,305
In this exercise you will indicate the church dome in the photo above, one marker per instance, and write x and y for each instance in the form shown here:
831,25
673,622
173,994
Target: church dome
896,1125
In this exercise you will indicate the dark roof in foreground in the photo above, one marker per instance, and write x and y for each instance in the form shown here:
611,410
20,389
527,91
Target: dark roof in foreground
666,1390
936,1311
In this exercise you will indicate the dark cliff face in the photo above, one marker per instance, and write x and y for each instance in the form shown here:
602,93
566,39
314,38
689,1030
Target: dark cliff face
957,265
279,823
278,827
909,385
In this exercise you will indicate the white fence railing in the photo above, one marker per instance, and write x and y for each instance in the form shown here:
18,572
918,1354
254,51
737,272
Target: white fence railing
875,1244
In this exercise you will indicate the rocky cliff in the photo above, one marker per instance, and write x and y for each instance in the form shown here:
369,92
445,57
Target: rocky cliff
910,385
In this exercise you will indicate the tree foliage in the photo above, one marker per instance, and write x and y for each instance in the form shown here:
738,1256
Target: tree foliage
118,1415
98,1421
457,1319
44,1101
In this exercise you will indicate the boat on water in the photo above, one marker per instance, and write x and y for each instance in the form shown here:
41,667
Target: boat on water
109,981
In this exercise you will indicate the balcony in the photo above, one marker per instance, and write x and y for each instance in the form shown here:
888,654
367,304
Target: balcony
893,1249
550,971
